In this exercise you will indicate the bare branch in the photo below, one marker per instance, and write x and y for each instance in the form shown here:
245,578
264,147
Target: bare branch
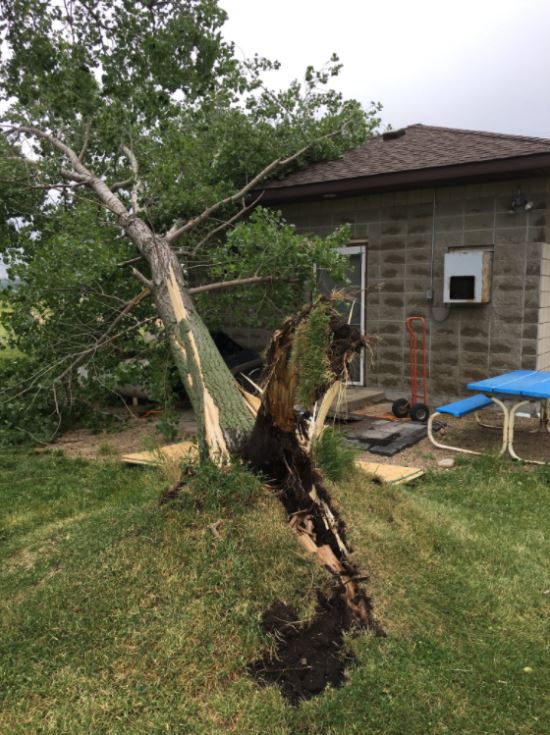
86,141
73,176
79,172
130,261
219,285
121,184
245,208
78,166
137,187
143,279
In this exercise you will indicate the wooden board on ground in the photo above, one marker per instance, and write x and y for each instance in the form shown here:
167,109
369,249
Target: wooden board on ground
392,473
169,452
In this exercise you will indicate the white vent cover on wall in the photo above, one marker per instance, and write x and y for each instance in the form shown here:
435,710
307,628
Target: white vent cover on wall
467,277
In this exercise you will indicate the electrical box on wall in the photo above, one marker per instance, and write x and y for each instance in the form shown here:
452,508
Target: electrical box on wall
467,277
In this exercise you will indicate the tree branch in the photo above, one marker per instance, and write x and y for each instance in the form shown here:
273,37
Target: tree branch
245,208
143,279
87,127
219,285
121,184
177,230
105,337
77,164
137,187
79,172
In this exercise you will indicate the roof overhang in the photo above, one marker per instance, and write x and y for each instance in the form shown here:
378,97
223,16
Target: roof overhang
503,168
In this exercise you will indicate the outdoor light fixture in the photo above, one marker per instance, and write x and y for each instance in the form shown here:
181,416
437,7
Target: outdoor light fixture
520,202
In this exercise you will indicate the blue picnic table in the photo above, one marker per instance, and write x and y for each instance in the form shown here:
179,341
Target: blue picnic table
510,392
521,387
533,384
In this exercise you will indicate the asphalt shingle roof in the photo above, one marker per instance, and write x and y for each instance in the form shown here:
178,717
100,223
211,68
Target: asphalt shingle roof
418,147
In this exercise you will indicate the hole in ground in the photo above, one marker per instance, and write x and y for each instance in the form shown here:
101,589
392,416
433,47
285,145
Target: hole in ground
307,656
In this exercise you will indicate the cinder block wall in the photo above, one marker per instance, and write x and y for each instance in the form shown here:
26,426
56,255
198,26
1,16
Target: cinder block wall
408,234
543,342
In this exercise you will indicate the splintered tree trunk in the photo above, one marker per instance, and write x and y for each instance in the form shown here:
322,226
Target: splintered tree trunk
223,417
279,447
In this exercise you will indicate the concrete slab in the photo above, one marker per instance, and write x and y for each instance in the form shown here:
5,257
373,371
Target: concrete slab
379,432
353,398
407,439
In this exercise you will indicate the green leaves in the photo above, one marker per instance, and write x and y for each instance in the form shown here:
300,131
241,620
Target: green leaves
266,245
160,78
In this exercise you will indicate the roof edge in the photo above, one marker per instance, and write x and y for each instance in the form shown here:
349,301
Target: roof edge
441,175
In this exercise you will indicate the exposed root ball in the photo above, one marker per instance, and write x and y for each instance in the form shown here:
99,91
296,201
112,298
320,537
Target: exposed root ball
308,657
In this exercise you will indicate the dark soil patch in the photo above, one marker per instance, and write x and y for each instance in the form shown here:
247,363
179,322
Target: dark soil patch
308,656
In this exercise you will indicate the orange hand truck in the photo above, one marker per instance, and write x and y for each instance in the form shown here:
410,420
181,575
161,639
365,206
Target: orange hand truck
402,407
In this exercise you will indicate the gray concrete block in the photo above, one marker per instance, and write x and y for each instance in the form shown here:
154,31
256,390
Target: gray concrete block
393,228
510,235
480,220
448,204
419,269
392,271
422,225
530,331
528,362
448,239
474,345
478,238
393,213
505,361
528,347
476,329
394,286
484,205
392,257
419,242
393,243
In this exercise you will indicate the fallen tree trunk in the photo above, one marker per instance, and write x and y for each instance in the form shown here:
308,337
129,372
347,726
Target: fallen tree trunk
224,418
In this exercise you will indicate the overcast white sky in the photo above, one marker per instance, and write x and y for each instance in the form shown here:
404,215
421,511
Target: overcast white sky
479,64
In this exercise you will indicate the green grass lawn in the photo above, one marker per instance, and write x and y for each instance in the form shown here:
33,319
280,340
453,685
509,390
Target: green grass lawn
120,616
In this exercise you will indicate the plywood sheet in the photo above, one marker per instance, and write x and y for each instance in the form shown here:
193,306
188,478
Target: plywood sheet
392,473
169,452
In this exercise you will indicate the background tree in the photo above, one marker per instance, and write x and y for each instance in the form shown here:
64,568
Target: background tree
133,140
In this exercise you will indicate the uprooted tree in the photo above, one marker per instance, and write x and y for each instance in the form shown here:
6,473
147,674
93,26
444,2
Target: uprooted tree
134,149
135,145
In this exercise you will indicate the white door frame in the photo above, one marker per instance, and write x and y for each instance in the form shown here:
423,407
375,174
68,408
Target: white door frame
360,250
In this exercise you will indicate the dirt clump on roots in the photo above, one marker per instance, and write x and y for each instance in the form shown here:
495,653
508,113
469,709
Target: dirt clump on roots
308,656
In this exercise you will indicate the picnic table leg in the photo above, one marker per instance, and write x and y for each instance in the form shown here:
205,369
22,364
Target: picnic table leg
505,424
448,447
439,445
545,415
484,425
513,411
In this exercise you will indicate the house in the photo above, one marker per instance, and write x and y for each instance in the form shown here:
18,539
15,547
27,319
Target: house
446,224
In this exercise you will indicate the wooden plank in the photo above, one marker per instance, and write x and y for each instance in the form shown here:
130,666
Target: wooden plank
391,473
169,452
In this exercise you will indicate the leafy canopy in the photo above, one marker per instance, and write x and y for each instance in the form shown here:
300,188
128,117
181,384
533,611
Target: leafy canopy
160,78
